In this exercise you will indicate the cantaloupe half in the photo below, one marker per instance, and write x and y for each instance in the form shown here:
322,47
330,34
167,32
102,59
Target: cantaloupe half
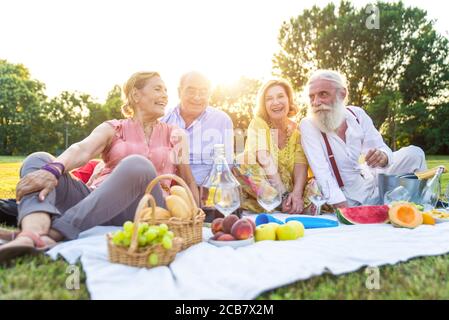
405,216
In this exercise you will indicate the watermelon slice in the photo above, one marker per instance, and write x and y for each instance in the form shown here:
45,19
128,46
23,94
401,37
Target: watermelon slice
363,215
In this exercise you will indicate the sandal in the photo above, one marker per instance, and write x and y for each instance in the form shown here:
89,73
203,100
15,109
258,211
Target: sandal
9,253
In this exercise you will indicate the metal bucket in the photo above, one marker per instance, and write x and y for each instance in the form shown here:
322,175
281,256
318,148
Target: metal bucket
388,182
414,185
385,183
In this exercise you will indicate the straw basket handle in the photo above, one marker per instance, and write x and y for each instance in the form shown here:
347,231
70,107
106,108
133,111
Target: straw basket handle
181,182
138,216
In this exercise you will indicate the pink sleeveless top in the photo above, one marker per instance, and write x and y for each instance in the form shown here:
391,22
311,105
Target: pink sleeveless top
129,139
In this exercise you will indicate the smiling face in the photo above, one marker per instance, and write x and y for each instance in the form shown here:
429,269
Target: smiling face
276,102
152,98
194,93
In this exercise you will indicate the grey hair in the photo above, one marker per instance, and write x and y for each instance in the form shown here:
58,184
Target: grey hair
337,78
194,74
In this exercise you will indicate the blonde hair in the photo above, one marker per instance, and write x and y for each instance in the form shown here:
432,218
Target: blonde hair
261,109
137,81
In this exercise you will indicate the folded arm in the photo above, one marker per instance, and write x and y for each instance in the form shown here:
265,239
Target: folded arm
75,156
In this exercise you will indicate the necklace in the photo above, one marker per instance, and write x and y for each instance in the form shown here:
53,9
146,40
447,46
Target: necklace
288,132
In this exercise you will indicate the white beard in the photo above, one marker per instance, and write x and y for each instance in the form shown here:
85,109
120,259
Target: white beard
328,121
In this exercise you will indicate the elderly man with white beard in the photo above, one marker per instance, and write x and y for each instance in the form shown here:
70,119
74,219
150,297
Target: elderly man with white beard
335,136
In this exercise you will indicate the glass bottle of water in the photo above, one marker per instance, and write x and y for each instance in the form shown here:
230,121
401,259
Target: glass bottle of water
220,189
432,190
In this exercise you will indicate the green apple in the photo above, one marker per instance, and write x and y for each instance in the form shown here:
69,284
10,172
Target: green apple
274,224
286,232
299,228
265,232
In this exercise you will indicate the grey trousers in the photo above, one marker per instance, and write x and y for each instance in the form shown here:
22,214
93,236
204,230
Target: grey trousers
74,207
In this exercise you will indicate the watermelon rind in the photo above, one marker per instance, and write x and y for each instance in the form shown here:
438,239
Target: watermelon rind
341,218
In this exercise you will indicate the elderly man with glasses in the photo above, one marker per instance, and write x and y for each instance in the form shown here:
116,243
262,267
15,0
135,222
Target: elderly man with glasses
204,125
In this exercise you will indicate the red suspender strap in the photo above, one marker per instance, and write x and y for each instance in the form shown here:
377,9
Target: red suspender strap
331,154
332,160
354,115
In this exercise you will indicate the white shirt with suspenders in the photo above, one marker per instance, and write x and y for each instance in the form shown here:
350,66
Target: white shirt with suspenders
337,161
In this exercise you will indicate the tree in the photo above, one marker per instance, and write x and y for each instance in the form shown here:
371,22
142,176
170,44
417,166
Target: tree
68,114
437,132
114,102
238,100
99,113
30,122
21,113
404,61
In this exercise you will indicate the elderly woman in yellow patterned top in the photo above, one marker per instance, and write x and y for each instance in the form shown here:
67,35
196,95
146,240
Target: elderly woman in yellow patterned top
273,155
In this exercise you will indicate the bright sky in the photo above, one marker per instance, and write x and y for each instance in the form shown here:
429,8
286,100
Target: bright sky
90,45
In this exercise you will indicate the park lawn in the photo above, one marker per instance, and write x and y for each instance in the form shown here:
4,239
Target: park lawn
9,173
419,278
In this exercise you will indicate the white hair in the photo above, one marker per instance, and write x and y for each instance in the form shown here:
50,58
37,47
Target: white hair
328,121
337,78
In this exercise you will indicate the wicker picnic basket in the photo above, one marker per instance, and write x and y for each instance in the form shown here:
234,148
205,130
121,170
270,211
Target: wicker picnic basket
191,231
139,257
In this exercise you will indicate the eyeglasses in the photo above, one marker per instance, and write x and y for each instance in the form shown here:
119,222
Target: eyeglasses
192,92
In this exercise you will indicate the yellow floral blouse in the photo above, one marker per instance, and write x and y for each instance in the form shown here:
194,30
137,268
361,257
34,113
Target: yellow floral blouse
260,138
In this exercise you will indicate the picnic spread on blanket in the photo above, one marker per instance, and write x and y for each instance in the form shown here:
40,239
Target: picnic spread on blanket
158,234
205,271
171,253
175,251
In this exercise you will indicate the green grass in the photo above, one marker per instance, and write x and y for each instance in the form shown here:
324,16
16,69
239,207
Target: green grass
420,278
11,159
434,161
40,278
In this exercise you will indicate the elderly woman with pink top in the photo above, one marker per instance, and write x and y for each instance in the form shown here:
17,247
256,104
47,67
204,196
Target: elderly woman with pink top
54,206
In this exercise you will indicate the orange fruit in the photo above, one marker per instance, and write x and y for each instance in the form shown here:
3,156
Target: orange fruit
427,218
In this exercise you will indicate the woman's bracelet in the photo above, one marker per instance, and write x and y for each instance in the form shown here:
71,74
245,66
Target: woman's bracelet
59,165
52,170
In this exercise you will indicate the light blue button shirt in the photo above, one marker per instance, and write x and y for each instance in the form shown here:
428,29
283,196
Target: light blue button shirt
213,126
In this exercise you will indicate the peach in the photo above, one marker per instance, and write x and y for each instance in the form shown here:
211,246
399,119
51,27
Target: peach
217,235
251,222
242,230
228,222
226,237
217,225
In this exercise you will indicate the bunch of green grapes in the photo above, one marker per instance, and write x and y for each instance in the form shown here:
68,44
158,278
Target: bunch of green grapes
148,235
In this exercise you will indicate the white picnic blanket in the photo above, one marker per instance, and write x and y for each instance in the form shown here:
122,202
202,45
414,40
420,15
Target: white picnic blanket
207,272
